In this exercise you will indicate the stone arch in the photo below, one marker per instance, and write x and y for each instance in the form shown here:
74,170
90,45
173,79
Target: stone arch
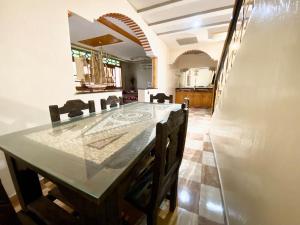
194,58
135,28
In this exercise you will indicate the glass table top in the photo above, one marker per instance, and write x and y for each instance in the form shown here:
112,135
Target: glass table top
90,153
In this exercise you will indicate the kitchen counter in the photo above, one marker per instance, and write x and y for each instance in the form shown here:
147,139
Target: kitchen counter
200,97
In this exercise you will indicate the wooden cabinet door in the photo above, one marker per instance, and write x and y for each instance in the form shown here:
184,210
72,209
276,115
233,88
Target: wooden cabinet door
197,99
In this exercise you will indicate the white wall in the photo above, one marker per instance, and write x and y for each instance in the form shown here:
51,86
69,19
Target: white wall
203,77
35,60
256,129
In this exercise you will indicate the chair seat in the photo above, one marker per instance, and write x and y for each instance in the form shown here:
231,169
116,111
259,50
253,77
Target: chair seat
140,192
25,219
50,213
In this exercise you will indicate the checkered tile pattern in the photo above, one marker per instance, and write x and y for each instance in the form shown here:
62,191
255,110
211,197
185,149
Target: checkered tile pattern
199,193
199,188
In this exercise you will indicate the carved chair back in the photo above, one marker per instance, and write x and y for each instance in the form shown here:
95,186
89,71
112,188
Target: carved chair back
72,107
112,101
169,147
161,98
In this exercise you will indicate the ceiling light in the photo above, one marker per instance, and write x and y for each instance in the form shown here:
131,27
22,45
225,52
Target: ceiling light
196,24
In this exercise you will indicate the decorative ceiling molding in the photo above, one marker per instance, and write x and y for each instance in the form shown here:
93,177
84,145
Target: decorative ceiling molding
107,39
140,35
70,13
192,15
159,5
193,28
118,29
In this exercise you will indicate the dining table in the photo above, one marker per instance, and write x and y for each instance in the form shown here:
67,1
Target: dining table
91,159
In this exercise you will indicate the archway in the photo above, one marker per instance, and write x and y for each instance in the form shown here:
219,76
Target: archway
194,58
135,28
195,75
139,38
110,52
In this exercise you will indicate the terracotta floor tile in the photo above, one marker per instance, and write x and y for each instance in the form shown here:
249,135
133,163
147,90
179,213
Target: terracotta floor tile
210,176
210,205
207,146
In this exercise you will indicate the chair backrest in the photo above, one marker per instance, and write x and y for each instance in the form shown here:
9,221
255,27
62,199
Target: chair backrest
187,102
169,147
8,215
72,107
112,101
161,98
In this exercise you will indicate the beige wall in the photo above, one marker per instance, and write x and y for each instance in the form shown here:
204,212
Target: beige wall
256,127
35,59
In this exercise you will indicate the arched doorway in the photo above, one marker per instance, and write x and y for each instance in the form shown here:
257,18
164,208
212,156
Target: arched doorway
195,58
195,71
139,37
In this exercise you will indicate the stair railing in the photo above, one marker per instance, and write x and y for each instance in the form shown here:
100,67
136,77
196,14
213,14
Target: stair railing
237,27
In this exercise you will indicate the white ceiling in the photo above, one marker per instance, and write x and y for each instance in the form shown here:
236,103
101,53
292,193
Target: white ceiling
208,20
82,29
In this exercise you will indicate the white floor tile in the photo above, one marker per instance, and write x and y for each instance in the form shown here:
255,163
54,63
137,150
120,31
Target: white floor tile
190,170
208,159
210,205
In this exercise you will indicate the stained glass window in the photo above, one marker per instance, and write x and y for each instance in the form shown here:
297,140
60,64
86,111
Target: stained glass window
87,54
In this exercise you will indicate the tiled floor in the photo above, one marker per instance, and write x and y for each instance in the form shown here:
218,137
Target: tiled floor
199,195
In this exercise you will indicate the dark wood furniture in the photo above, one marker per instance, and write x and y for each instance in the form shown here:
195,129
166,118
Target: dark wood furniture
152,188
161,98
92,160
198,97
8,216
72,107
40,212
129,96
112,101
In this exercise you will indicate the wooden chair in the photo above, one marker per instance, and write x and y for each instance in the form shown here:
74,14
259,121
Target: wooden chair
72,107
112,101
148,192
187,102
161,98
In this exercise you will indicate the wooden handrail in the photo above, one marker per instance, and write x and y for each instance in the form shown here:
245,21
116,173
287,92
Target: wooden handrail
232,27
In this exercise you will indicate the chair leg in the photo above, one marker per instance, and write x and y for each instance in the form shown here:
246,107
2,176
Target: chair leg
173,199
152,218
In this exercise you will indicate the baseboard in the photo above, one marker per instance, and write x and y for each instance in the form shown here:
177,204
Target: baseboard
221,184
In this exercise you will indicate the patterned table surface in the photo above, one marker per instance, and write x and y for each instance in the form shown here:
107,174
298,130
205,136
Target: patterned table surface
90,153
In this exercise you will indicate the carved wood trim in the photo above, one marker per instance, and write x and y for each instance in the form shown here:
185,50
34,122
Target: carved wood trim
72,107
161,98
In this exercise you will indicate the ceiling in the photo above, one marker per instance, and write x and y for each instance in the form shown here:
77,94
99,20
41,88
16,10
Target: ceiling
203,20
87,34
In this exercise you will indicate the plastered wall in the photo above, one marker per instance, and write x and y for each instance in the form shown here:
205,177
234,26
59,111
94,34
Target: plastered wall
256,127
35,59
